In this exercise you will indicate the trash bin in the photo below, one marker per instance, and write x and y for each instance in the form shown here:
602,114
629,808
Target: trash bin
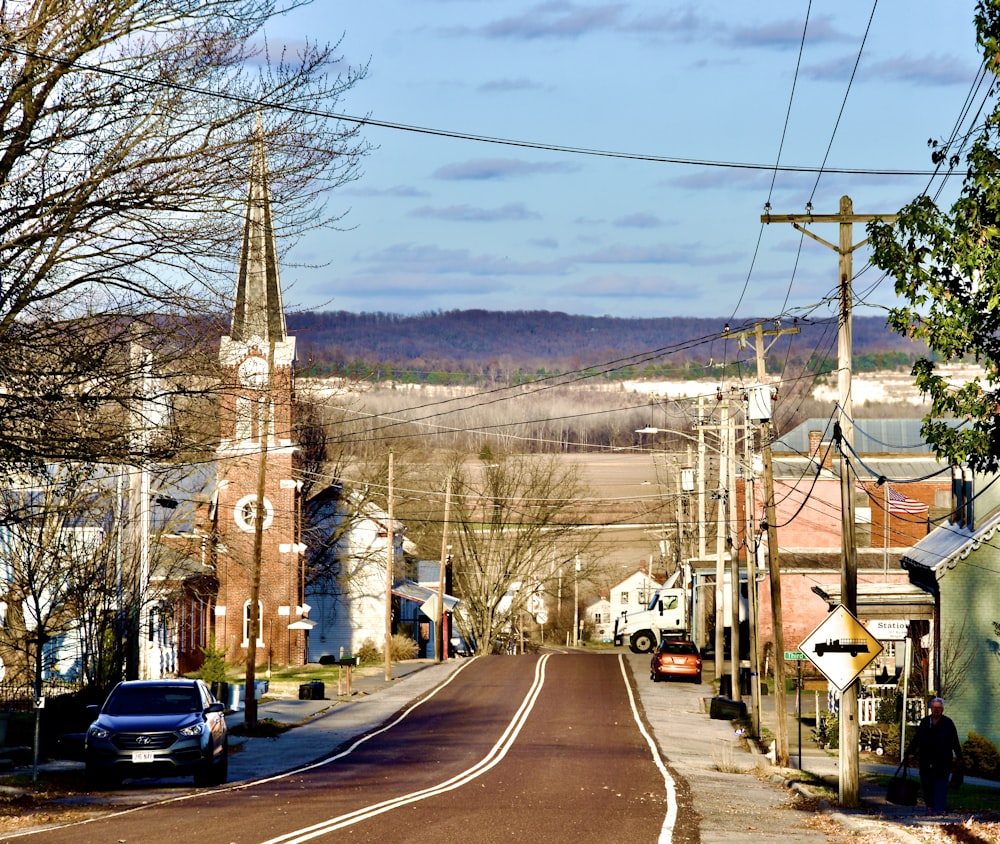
260,688
724,709
313,690
235,697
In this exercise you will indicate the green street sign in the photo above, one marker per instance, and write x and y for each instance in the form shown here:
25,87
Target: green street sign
795,655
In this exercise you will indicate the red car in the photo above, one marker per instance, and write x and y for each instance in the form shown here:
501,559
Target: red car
676,658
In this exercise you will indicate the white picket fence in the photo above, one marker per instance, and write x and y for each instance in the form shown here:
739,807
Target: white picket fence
868,708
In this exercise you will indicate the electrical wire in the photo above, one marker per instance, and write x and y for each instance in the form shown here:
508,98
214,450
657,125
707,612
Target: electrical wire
447,133
843,103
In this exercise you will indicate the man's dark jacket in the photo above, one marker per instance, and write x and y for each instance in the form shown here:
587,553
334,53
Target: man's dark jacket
934,744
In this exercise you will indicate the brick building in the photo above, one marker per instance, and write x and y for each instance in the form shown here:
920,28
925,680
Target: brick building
256,452
901,492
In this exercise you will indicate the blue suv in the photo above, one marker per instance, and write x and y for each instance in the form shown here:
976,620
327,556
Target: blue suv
158,728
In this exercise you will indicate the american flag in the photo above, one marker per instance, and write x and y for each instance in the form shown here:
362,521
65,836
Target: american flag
899,503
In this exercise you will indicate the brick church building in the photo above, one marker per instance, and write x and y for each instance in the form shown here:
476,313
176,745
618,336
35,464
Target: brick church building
256,452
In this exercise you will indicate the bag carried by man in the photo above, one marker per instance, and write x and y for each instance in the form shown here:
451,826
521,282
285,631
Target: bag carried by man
901,789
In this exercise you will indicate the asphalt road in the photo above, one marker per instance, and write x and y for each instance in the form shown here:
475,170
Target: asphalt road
530,749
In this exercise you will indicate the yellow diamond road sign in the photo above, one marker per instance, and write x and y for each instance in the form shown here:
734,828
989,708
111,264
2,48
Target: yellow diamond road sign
840,647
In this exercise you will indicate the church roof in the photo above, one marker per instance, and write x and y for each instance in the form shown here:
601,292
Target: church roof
259,311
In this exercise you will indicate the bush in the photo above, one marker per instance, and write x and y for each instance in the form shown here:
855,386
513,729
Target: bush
827,731
982,759
889,709
400,647
213,667
369,653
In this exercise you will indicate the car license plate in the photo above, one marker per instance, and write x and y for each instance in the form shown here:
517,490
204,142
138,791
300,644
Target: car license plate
142,755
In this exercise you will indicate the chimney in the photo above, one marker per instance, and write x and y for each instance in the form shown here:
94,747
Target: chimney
819,450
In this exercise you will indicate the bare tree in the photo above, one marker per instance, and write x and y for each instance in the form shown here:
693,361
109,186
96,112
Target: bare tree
957,653
516,522
124,138
78,589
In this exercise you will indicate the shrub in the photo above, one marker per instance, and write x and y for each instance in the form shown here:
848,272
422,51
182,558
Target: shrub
982,759
402,647
889,709
369,653
213,668
827,731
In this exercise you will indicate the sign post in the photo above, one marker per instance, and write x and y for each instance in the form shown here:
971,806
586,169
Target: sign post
841,648
798,656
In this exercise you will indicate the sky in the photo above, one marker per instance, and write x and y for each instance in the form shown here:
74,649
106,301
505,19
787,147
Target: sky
442,223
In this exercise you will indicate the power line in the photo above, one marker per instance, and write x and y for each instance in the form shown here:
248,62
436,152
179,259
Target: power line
458,134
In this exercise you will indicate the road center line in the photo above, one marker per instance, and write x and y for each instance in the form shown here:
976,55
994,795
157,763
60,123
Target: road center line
495,755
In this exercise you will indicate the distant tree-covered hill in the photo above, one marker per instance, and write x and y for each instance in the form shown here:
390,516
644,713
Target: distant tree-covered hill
505,345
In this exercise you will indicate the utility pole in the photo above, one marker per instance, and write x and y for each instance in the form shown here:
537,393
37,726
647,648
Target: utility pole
720,545
265,409
141,360
440,642
576,603
390,562
750,544
773,559
701,477
849,727
734,561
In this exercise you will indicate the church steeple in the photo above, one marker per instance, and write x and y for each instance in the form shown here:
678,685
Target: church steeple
258,312
258,352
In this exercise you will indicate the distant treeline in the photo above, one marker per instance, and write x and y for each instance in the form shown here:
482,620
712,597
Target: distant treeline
510,347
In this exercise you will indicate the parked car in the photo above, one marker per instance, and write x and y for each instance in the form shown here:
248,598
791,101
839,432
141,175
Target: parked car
676,658
158,728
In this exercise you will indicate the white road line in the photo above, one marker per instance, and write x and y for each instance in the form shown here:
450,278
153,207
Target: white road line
667,830
240,786
495,755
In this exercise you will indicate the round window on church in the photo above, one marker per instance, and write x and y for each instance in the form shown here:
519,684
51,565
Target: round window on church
245,513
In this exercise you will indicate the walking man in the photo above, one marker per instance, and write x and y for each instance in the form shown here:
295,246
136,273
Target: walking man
935,743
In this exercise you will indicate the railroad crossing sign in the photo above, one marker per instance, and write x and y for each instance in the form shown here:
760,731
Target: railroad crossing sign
840,647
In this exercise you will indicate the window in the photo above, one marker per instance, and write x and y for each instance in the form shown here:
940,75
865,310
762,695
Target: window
245,513
641,597
623,598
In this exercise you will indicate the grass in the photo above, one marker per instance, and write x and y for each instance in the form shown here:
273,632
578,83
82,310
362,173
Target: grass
969,798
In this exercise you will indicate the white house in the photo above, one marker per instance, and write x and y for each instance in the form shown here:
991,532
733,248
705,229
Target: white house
633,593
346,591
599,620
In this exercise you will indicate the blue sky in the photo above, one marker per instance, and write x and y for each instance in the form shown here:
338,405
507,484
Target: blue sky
443,223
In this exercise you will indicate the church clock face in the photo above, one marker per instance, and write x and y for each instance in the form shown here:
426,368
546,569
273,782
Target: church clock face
245,513
253,373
